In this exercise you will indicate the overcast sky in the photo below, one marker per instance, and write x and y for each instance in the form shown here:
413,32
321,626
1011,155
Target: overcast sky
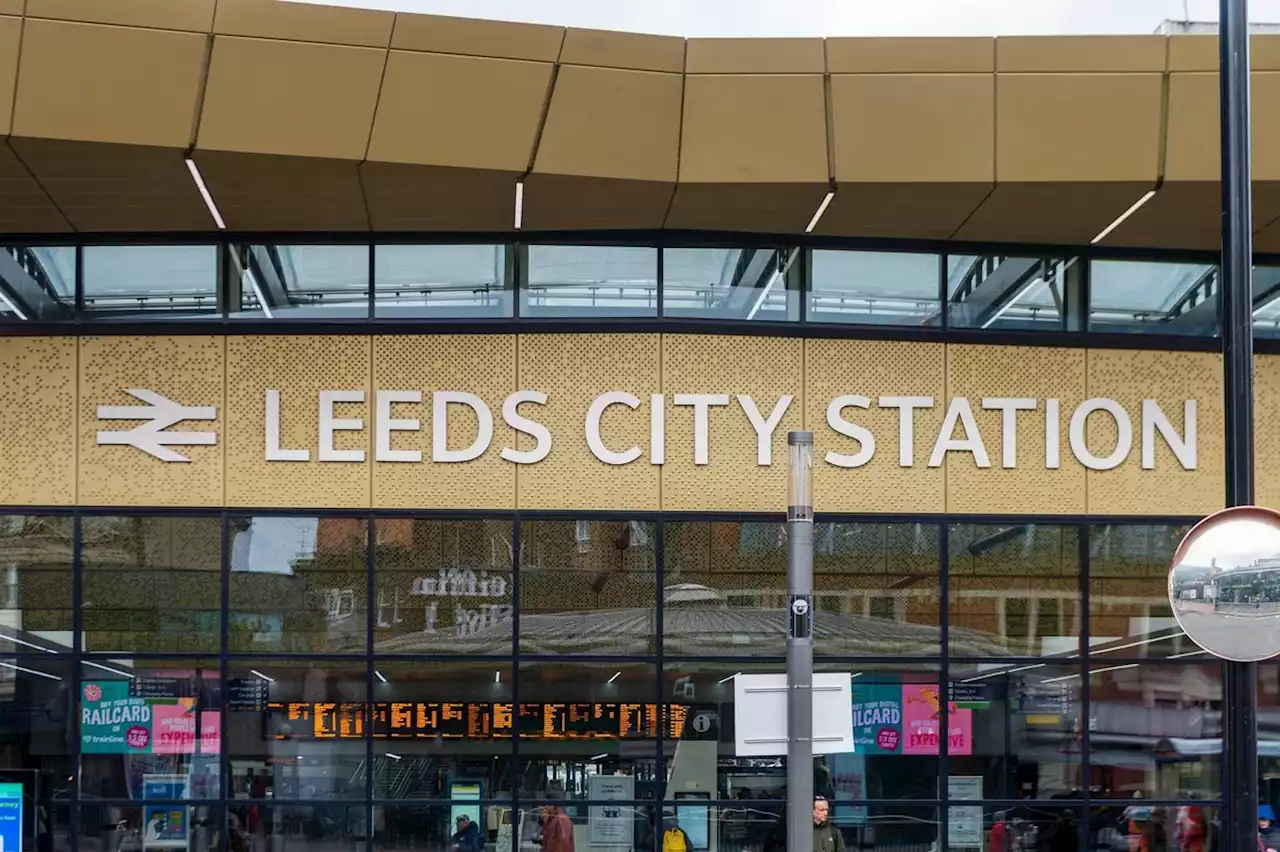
834,17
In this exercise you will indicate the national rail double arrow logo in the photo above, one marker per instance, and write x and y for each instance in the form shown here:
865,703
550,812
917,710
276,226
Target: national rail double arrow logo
153,437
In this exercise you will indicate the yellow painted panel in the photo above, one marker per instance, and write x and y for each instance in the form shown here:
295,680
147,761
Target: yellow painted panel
755,56
484,365
764,368
304,22
606,49
38,421
881,55
1169,378
474,37
299,367
10,39
875,368
187,370
573,369
191,15
1266,419
978,372
1080,54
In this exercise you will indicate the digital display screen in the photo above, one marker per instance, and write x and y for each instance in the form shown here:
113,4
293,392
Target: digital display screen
473,721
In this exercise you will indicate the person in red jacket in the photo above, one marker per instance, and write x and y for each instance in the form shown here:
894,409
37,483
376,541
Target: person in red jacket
998,839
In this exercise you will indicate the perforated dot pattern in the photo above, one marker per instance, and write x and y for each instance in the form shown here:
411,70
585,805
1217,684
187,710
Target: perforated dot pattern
37,420
300,367
1266,424
483,365
186,370
874,369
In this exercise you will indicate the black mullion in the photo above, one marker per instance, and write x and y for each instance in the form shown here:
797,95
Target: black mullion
77,310
226,781
77,644
944,307
370,555
519,256
662,271
373,271
1086,769
659,626
516,769
944,686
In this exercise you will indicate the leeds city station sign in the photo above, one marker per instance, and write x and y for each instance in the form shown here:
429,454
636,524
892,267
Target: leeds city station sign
399,411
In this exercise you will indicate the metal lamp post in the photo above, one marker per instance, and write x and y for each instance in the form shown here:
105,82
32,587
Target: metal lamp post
799,641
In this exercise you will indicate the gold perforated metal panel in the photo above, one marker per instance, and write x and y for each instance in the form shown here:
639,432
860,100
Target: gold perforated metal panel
978,372
1266,420
299,367
1169,378
764,368
188,371
484,365
875,368
37,421
573,369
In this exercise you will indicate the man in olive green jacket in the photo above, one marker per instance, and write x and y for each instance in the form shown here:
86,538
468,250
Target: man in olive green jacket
826,837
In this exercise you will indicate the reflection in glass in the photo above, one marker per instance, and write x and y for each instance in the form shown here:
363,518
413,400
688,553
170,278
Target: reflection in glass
732,284
588,587
122,826
1180,706
1140,827
581,720
442,586
140,282
566,281
296,730
1015,588
152,583
37,731
437,725
432,827
35,614
1129,614
299,281
150,729
1156,298
877,288
1012,293
37,283
298,584
1266,301
442,281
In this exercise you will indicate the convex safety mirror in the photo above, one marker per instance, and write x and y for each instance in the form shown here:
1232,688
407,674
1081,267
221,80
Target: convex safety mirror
1224,584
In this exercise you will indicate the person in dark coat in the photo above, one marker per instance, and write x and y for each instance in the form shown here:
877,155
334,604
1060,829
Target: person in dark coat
467,837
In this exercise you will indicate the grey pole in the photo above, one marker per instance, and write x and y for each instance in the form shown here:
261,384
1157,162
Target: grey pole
1240,710
800,642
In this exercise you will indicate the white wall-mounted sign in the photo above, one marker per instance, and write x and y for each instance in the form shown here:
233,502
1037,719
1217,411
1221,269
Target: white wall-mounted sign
403,411
760,714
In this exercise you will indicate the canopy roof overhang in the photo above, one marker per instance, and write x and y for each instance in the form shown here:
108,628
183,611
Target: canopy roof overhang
316,118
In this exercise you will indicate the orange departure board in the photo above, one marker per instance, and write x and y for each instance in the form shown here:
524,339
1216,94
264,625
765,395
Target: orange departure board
473,721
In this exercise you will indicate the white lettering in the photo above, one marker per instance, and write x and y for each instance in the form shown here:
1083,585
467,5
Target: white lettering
1052,434
657,429
859,433
1009,406
274,450
440,426
1080,447
701,403
1183,446
331,424
970,443
906,406
511,414
595,442
385,424
764,428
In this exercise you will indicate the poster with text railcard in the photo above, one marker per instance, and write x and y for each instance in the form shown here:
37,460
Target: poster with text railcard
877,718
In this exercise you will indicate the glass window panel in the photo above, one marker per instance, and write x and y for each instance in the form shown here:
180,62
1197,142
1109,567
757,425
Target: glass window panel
437,725
296,729
442,586
141,719
37,283
1156,828
1012,293
121,826
1266,301
588,587
876,588
36,614
876,288
1014,589
1268,731
1129,614
1050,826
37,730
141,282
298,584
307,282
569,281
731,283
578,720
1153,298
434,827
1155,731
1017,728
442,281
886,766
152,583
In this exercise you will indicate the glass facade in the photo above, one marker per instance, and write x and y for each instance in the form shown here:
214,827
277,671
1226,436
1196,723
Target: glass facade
360,680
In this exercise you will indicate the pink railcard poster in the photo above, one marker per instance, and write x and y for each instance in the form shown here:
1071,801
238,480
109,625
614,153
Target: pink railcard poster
921,709
173,729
